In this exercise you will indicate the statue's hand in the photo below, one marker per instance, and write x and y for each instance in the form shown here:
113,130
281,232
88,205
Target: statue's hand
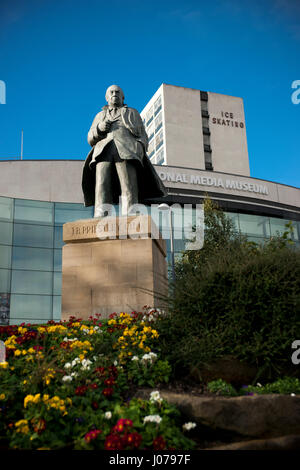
104,126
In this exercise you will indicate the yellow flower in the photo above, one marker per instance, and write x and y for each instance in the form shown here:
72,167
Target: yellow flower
17,352
31,398
2,396
22,426
4,365
22,330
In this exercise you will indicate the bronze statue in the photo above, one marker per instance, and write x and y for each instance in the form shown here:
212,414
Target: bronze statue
118,165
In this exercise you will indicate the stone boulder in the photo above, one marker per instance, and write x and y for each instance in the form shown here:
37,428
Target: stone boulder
257,416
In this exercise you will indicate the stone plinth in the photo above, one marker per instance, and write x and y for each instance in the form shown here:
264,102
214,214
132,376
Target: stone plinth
121,271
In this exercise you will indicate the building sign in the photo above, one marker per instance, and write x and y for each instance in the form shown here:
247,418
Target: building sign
227,119
217,182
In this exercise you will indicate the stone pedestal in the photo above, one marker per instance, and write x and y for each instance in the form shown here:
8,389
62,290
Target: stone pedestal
121,271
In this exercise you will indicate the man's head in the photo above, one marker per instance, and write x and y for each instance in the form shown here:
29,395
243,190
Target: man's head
114,96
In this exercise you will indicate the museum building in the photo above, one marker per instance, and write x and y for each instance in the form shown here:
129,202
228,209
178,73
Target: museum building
198,146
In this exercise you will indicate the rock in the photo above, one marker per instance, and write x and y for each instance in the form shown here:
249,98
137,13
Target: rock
262,416
291,442
227,368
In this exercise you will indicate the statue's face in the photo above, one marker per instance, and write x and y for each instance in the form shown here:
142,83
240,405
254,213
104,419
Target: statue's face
114,96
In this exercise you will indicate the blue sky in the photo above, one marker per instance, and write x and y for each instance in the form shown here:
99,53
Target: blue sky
58,57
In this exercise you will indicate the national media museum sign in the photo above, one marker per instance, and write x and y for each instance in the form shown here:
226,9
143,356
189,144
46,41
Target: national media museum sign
211,181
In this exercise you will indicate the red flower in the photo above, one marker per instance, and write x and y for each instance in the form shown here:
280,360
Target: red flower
159,443
40,426
91,435
107,392
81,390
109,382
113,371
122,425
95,405
132,440
93,386
113,442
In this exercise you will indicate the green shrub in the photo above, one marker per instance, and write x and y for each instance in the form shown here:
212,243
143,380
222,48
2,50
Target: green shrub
220,387
234,298
286,385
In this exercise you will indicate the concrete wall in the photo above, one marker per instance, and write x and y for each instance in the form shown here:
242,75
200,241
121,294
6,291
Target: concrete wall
228,134
60,181
183,127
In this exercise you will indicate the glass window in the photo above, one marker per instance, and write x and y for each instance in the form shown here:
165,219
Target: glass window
158,122
160,157
151,148
31,282
254,225
57,281
6,208
149,116
58,237
205,122
204,106
6,233
56,307
157,106
30,307
206,139
57,260
158,139
235,219
65,212
150,131
32,258
278,227
33,235
5,256
5,280
33,211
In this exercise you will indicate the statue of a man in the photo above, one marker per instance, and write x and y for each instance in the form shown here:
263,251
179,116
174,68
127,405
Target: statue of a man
118,165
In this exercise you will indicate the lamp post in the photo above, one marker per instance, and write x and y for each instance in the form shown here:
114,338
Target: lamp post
165,207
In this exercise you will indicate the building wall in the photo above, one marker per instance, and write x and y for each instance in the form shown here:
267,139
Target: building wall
201,130
183,127
228,134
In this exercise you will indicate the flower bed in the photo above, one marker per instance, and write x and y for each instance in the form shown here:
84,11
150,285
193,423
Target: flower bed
68,385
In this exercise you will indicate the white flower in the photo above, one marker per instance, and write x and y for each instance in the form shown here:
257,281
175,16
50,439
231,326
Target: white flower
293,395
85,364
85,331
188,426
67,378
108,415
68,365
74,374
135,358
155,397
115,363
258,384
150,357
75,361
152,419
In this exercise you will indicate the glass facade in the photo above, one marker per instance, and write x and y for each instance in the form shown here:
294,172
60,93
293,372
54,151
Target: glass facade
153,122
31,252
